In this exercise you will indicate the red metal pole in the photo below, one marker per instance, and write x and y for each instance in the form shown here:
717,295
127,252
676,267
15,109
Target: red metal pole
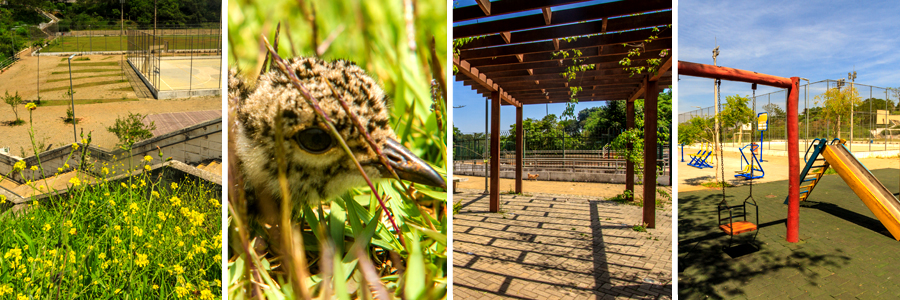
725,73
793,140
519,149
495,152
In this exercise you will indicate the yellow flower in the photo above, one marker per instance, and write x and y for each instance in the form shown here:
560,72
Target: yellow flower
29,106
178,270
21,297
117,227
72,231
181,291
2,199
175,201
214,202
206,295
75,181
105,171
75,146
133,206
34,168
141,260
102,255
155,287
147,167
174,185
153,195
124,185
20,165
161,215
84,141
148,158
47,227
138,231
65,166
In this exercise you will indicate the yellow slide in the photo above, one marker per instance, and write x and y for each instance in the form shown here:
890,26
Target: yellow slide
879,199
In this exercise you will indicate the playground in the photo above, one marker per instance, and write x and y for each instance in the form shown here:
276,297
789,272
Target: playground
836,228
843,250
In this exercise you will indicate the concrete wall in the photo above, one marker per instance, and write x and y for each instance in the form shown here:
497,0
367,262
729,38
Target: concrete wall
190,145
567,175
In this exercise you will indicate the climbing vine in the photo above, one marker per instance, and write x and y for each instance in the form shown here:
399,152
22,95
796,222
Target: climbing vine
635,51
458,43
571,73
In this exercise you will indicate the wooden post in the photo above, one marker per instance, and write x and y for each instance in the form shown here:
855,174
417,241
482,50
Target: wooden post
520,142
629,166
651,93
495,152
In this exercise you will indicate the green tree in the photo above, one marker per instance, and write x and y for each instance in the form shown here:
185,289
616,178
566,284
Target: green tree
131,129
836,104
14,101
736,112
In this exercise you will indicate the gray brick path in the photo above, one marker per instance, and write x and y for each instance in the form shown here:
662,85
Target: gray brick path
558,247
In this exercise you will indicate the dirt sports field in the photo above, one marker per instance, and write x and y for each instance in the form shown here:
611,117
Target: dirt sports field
101,95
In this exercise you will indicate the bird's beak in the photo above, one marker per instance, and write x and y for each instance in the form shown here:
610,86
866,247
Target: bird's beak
410,167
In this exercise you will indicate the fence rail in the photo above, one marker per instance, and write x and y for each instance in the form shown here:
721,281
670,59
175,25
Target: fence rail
876,119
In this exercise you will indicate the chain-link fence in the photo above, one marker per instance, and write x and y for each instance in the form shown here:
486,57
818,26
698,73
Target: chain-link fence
112,37
875,118
173,61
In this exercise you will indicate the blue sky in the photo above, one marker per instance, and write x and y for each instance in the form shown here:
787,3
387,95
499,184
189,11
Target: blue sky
471,117
817,41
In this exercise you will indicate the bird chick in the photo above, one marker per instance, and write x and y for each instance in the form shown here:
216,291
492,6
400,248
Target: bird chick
317,167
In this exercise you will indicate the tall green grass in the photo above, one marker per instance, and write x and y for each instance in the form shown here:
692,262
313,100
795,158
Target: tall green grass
107,236
348,241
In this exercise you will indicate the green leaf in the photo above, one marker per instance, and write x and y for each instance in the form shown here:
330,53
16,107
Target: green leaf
415,270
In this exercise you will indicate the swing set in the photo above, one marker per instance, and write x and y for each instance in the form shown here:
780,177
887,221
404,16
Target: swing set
733,219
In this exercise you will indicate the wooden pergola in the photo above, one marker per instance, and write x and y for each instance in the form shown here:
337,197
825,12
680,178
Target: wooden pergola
512,62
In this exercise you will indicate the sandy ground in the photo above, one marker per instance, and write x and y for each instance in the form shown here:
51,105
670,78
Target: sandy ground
48,120
590,189
22,78
49,125
775,167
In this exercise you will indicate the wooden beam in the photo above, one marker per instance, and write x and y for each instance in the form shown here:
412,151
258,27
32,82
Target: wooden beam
506,7
490,66
637,94
505,35
500,49
485,6
560,17
662,69
472,73
547,15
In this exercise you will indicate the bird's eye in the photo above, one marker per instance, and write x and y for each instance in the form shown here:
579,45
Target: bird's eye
314,140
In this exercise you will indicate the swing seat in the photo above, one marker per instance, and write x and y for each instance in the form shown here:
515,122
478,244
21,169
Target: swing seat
737,227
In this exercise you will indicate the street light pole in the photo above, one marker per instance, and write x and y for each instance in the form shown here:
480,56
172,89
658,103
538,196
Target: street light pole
72,95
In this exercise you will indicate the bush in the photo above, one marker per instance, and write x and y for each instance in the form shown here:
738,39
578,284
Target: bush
14,101
131,129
